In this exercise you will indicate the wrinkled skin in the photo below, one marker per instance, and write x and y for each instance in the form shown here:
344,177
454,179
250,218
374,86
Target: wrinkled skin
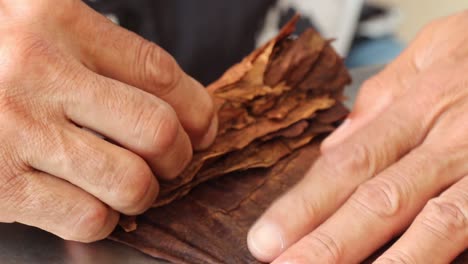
399,165
66,75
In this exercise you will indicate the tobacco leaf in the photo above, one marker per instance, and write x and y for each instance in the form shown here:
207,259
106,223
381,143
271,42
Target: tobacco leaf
233,117
236,72
327,75
259,154
210,224
332,115
239,139
292,60
285,105
261,105
267,111
250,109
294,130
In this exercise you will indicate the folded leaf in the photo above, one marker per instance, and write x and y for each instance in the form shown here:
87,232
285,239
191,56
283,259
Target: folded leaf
210,224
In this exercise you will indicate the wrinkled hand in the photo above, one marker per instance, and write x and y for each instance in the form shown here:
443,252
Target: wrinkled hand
398,165
64,67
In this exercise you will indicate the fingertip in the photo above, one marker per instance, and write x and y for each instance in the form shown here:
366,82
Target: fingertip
187,157
173,163
96,224
148,200
112,221
198,115
210,136
153,194
265,241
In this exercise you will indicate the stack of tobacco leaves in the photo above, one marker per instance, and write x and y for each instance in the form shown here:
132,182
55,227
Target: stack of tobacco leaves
268,106
272,106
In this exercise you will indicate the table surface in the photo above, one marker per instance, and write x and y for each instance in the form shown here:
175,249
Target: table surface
24,244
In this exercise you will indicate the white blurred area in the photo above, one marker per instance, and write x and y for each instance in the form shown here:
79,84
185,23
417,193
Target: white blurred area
335,19
417,13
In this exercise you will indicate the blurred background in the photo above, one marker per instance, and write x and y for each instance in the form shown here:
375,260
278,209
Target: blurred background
208,36
417,13
387,26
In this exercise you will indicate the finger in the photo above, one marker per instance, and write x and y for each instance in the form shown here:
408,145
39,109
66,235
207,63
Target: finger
49,203
336,175
379,209
122,55
135,119
439,234
114,175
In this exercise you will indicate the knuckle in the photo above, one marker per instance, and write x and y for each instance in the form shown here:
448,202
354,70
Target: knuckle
326,246
133,184
29,45
444,218
77,155
359,159
21,52
71,152
381,197
21,110
101,163
395,256
90,223
159,70
306,207
374,88
353,157
28,11
158,130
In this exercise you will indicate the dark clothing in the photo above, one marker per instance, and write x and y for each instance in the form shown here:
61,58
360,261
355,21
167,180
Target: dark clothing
205,36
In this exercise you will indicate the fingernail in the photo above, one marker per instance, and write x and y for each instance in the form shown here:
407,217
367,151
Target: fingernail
338,135
210,136
265,242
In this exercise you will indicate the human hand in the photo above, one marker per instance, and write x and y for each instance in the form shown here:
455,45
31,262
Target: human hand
64,67
399,164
